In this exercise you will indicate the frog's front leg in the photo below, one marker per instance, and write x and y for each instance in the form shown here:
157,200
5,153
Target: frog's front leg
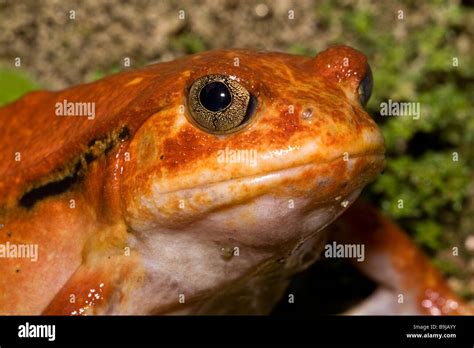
101,285
409,283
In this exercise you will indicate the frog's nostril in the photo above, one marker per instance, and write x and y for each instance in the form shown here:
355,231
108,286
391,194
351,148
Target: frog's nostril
307,114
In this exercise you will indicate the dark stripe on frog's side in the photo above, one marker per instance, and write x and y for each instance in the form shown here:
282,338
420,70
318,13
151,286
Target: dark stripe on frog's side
50,189
66,177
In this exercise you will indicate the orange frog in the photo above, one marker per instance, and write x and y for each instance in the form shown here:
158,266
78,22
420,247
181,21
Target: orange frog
198,186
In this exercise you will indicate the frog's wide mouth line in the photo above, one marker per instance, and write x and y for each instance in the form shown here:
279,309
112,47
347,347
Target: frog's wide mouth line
282,173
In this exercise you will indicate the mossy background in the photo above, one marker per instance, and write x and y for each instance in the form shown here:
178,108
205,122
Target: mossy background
419,51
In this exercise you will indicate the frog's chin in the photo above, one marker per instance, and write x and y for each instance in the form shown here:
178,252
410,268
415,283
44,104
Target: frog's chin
249,249
240,249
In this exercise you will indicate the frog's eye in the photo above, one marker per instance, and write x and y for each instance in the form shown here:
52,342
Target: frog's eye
365,87
219,104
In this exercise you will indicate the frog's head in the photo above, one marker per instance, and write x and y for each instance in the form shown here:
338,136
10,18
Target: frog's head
254,148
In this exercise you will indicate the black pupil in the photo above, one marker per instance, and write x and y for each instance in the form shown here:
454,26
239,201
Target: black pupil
215,96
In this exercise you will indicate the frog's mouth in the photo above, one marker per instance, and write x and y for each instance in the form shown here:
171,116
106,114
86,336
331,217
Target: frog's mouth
375,157
303,188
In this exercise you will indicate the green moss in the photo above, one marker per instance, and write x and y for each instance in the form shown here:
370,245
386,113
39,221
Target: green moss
188,43
105,72
301,49
427,184
449,268
360,21
14,84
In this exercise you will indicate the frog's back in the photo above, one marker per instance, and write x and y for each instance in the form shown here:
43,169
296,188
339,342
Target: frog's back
42,142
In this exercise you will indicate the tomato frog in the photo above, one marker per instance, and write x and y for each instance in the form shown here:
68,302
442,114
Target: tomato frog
198,186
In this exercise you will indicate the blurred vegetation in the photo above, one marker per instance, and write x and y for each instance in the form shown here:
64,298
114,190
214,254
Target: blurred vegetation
430,160
98,74
13,84
188,43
